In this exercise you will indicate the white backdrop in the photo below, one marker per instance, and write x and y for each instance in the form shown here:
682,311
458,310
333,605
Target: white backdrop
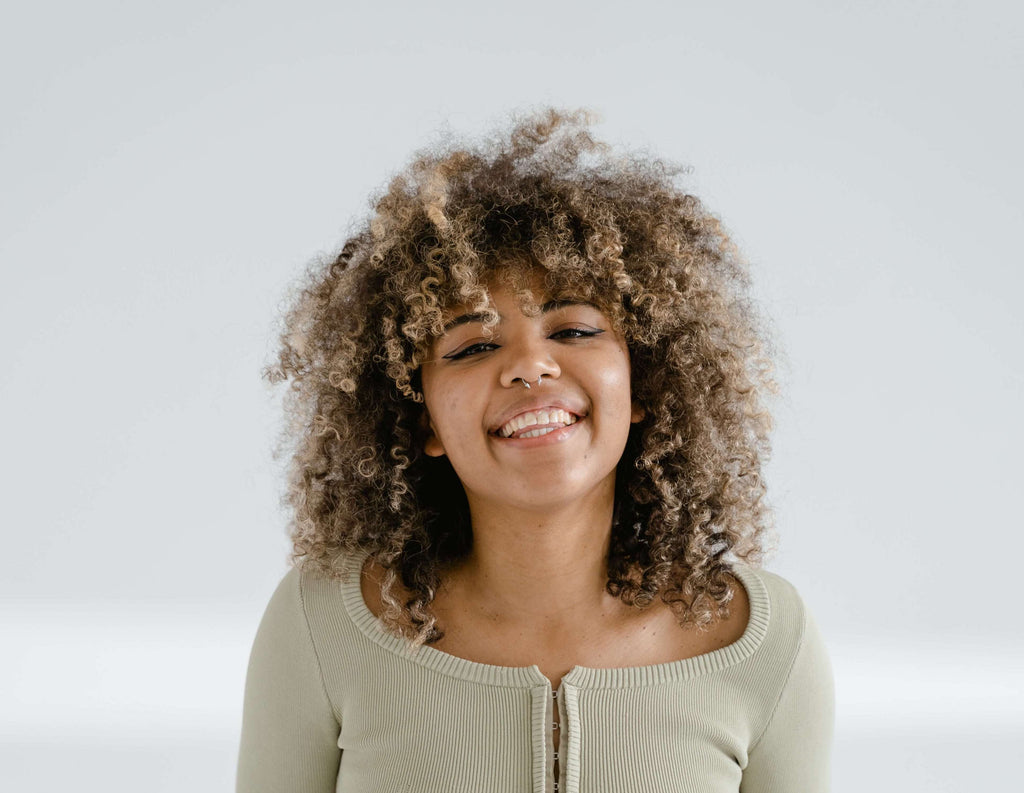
168,169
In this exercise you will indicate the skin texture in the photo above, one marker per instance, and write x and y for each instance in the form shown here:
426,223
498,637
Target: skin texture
541,508
608,639
472,382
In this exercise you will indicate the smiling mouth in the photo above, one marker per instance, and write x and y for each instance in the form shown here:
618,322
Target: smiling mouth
536,423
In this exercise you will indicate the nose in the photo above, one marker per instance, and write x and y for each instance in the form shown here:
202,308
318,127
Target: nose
528,363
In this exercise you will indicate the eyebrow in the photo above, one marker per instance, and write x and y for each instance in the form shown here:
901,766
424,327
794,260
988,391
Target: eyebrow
551,305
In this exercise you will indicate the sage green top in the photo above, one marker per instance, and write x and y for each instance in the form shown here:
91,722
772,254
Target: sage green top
333,702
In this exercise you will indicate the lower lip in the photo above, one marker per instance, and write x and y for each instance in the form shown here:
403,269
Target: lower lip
548,438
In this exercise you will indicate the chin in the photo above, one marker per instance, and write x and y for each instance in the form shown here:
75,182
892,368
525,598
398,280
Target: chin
553,494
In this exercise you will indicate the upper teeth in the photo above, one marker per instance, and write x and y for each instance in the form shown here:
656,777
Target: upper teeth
547,416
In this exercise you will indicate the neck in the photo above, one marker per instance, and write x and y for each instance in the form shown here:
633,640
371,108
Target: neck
546,569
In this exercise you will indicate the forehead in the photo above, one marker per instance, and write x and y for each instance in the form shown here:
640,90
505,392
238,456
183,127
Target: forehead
530,296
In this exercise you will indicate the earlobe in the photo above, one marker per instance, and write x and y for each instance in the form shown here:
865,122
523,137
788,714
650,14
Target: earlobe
432,446
637,413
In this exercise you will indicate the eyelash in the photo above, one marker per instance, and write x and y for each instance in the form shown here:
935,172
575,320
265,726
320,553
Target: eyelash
476,349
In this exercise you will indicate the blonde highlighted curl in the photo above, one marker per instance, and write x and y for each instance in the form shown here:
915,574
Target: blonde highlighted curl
614,229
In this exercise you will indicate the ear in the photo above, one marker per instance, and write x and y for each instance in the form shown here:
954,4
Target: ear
432,445
637,413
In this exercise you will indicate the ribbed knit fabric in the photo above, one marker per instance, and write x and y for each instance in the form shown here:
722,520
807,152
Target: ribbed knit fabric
333,702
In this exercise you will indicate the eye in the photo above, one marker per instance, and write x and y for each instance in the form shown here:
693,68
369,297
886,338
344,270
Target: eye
576,333
472,349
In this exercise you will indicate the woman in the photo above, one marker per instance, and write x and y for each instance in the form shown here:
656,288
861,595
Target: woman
528,438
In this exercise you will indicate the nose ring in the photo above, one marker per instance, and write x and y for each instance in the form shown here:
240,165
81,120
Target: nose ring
525,383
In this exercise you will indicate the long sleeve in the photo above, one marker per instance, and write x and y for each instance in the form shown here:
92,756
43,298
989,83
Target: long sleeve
289,728
794,751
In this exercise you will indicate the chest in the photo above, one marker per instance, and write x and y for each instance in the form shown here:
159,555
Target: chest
651,637
665,738
656,639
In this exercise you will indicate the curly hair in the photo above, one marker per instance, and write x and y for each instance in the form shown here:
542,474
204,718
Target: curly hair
614,229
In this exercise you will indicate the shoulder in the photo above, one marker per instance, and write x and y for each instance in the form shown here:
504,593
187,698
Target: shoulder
729,628
788,671
323,594
285,605
792,643
781,592
290,724
284,619
775,602
789,635
284,654
310,602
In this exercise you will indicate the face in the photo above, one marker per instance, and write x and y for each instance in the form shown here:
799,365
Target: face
549,446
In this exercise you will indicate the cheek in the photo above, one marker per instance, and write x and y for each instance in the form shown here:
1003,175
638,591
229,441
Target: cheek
615,383
446,405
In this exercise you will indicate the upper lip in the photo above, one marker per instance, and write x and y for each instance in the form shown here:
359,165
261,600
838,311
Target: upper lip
535,404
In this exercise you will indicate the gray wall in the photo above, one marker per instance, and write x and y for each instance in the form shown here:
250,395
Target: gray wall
167,169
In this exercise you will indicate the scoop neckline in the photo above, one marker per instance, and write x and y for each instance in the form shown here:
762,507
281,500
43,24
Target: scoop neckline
578,676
